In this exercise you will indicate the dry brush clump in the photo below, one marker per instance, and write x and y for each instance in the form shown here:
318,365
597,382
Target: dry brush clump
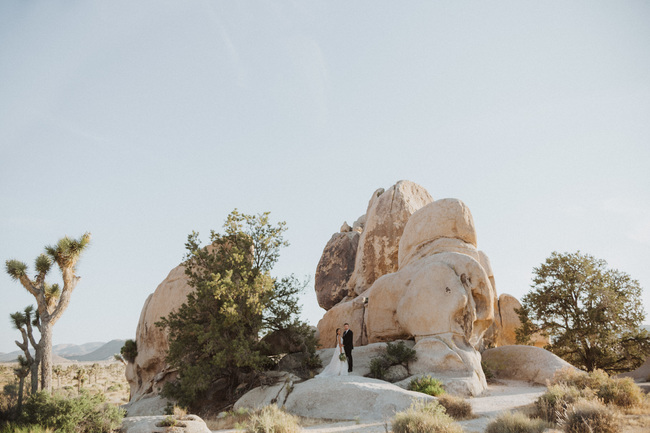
271,419
424,417
516,422
456,407
590,417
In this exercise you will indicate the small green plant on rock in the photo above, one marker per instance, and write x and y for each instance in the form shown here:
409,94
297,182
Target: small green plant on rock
427,385
394,354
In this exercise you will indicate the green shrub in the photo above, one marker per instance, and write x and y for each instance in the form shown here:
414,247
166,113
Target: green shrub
456,407
424,417
426,385
393,354
489,374
590,417
84,413
272,420
378,367
515,422
16,428
129,351
399,353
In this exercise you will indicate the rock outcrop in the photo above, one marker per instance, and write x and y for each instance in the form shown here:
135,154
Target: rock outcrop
335,268
149,424
419,275
339,398
149,372
528,363
387,215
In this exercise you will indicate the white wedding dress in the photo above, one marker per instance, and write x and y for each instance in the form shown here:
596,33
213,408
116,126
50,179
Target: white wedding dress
336,367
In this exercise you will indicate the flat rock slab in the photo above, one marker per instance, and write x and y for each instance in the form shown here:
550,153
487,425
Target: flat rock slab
337,398
149,424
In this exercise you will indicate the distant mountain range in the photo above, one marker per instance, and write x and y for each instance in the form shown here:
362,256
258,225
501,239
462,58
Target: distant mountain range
71,352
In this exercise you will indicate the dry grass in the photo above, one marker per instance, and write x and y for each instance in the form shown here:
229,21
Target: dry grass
424,417
590,417
516,422
456,407
271,419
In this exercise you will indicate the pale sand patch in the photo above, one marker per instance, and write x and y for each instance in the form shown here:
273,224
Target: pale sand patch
502,396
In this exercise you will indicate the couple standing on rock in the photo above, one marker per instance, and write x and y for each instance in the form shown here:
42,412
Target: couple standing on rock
342,353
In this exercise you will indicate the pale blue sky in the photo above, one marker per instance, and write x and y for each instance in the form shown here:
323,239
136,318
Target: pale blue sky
143,121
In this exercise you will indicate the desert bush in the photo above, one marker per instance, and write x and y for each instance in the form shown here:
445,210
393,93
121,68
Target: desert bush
129,351
378,367
427,385
456,407
621,392
590,417
393,354
271,419
84,413
489,374
400,353
423,417
515,422
552,405
16,428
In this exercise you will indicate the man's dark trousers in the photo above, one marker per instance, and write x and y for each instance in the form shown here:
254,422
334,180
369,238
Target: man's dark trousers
347,347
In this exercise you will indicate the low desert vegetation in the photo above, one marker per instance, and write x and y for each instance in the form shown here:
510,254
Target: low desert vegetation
590,416
456,407
516,422
394,354
426,385
271,419
424,417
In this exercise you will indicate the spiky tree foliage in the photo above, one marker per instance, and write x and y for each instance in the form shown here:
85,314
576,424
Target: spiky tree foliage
51,300
216,333
80,377
591,314
58,372
22,371
25,322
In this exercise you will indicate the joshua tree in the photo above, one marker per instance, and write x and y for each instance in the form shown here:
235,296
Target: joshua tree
51,299
94,371
58,372
80,377
23,322
21,372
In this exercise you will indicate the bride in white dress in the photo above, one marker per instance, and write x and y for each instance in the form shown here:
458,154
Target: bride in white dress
336,367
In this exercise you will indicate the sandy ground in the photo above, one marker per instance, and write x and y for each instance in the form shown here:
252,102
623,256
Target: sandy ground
504,396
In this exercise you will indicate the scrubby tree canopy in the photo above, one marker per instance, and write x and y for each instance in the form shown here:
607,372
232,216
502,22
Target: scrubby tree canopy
591,314
216,333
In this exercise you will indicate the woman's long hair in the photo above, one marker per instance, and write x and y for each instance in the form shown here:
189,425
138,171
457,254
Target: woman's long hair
337,337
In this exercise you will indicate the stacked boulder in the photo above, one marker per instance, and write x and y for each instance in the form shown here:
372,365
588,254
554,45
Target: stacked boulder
417,274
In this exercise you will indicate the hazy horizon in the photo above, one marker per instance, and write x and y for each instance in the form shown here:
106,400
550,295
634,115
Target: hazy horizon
141,122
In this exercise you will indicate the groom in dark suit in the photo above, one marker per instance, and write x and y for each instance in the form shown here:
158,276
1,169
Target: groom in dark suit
347,345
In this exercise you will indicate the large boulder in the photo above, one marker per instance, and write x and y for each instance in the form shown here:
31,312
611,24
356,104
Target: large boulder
335,268
337,398
529,363
149,371
387,215
508,320
351,312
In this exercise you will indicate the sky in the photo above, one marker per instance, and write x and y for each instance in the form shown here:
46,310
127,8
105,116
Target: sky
143,121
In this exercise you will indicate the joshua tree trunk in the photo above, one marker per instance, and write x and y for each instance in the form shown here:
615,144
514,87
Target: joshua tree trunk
20,393
46,359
